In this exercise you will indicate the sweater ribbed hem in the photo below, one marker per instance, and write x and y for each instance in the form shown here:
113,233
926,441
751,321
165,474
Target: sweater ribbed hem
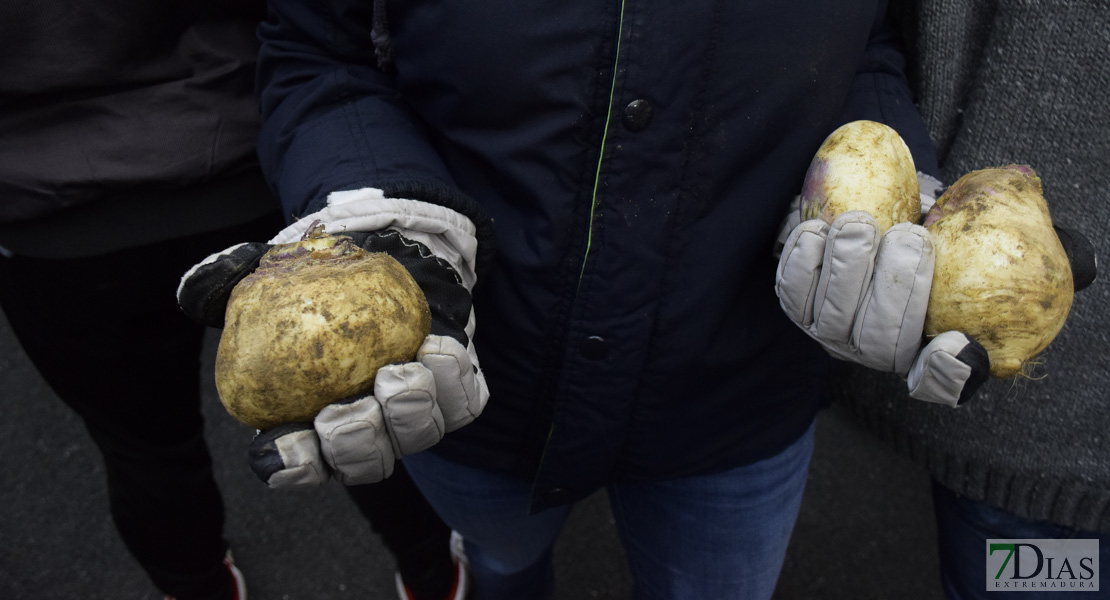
1072,503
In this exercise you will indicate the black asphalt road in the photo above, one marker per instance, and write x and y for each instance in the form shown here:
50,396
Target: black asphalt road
865,530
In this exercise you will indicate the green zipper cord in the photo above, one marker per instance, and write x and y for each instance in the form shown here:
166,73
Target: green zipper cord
597,180
601,153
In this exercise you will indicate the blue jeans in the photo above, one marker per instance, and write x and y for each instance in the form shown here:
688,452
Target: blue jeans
714,536
963,528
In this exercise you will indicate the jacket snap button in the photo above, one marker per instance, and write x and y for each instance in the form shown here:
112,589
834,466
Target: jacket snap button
637,115
594,347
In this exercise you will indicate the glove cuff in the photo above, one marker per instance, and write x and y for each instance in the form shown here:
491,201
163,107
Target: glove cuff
449,234
432,192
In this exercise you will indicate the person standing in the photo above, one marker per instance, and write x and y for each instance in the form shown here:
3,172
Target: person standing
631,163
1029,458
127,153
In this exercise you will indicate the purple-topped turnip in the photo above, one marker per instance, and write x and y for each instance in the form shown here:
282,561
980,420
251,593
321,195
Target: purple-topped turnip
1001,273
862,165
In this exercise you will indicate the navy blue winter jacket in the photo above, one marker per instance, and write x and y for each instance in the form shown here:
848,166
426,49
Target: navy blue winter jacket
637,159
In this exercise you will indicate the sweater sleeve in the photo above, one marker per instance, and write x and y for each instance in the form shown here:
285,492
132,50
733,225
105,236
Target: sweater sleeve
332,119
881,92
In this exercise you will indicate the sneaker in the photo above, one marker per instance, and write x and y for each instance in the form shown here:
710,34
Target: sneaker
236,576
458,549
460,586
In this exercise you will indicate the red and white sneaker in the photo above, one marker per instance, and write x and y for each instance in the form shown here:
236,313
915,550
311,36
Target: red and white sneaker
460,586
458,550
236,576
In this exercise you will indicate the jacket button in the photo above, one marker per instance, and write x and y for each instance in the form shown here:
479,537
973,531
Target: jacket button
637,115
594,347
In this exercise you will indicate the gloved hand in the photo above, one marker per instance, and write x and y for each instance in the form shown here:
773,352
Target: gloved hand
863,297
413,404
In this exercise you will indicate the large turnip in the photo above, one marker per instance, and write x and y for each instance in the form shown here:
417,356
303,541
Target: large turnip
312,325
862,165
1001,273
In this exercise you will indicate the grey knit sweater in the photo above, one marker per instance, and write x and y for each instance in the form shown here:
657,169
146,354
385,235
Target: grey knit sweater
1025,81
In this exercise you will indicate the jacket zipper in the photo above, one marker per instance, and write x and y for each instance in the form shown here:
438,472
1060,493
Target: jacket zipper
601,151
593,206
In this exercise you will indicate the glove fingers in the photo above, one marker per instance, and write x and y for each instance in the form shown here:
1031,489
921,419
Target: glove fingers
354,441
288,457
845,275
888,330
461,390
799,270
949,370
407,393
205,288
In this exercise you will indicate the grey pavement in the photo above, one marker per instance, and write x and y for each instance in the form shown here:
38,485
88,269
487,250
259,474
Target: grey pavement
865,531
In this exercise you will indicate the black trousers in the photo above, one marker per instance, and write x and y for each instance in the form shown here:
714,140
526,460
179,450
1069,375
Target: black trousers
107,335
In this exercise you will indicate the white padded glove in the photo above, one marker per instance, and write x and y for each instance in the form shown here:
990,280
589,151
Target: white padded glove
413,404
863,297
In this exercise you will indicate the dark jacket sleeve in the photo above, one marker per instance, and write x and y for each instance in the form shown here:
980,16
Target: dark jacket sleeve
881,92
333,120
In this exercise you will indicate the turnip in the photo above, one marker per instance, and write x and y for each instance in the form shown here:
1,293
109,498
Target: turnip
862,165
1001,275
312,325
